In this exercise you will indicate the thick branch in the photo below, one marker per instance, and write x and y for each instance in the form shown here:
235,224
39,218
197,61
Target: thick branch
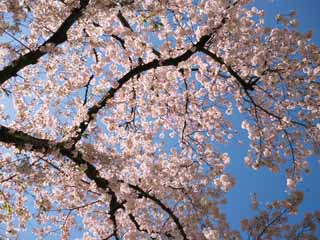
23,140
132,73
57,38
199,46
27,142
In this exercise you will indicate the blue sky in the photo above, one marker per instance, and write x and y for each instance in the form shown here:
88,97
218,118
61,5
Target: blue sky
269,186
307,13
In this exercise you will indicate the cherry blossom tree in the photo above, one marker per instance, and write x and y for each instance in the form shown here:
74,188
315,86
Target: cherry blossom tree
112,112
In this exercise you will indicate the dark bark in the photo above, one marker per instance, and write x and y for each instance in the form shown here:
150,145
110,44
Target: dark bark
32,57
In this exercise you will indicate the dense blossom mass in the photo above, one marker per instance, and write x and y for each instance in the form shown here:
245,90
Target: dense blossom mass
112,113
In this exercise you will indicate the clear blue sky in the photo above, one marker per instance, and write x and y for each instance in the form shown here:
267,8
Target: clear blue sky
269,186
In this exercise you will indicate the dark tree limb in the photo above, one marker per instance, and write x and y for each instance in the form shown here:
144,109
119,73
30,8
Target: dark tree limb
57,38
172,61
27,142
138,227
120,40
22,140
233,73
80,129
158,202
87,90
273,221
247,86
124,21
126,24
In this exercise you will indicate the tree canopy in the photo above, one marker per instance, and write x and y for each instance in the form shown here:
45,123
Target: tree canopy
113,114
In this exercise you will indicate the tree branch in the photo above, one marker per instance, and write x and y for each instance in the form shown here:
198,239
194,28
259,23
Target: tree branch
87,90
126,24
27,142
57,38
243,83
271,223
23,140
162,206
80,129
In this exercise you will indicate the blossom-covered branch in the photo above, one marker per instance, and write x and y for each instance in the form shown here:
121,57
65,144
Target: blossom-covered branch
26,142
